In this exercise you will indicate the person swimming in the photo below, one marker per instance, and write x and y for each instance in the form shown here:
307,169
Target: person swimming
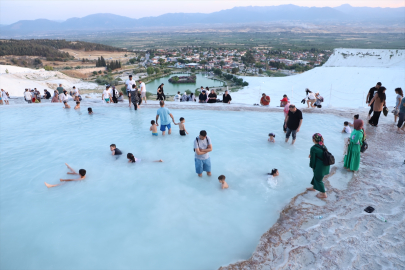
132,159
271,180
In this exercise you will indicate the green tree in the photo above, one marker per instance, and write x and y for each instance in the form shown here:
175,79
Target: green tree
260,71
102,62
150,70
94,72
222,63
161,61
217,71
157,70
248,58
192,70
235,70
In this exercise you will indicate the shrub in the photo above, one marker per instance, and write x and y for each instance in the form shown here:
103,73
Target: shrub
99,72
94,72
48,68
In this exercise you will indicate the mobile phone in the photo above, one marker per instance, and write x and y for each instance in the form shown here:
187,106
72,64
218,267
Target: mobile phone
369,209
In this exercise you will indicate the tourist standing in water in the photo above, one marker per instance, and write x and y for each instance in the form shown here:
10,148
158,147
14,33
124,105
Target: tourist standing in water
316,163
128,85
398,99
352,158
164,114
378,102
134,97
202,146
293,122
370,95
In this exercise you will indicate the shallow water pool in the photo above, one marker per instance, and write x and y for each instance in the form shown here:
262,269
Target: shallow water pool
145,215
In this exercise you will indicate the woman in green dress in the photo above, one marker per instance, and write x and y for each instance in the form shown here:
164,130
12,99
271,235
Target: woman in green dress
316,163
352,158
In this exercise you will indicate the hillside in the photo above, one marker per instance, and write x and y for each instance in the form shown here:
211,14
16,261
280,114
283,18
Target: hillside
343,81
49,48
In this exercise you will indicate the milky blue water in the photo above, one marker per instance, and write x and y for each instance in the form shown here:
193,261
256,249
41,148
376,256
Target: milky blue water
172,89
147,215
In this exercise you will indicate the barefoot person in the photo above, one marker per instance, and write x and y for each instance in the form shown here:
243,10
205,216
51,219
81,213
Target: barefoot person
82,174
378,103
202,146
352,157
370,95
164,114
401,116
293,122
142,88
316,163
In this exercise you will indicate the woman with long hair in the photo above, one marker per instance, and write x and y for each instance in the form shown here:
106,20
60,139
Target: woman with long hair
379,104
352,157
316,163
311,97
400,95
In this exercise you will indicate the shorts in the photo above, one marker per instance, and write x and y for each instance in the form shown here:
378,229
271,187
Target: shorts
182,132
154,134
290,131
107,100
163,127
202,165
143,94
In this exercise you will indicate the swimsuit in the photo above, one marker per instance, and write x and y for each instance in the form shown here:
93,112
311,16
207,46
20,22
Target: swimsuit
154,134
182,132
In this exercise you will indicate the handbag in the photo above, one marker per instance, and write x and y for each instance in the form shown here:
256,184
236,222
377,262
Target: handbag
385,111
364,146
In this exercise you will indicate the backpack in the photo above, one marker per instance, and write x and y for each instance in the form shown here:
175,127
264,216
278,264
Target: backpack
328,158
199,144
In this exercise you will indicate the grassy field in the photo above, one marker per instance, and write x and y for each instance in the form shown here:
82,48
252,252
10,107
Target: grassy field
281,40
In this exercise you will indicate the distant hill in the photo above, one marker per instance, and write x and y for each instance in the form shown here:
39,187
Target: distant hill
286,13
49,48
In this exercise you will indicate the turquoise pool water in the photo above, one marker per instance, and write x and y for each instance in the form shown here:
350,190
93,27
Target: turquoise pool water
147,215
172,89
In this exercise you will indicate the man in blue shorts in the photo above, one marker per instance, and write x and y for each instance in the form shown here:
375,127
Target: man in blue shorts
164,114
202,146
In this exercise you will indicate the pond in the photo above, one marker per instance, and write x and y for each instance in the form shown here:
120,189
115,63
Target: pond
145,215
172,89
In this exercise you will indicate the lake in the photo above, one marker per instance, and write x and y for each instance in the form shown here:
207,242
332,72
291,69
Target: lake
172,89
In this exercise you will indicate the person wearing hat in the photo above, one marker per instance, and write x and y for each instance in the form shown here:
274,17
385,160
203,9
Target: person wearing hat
265,100
284,101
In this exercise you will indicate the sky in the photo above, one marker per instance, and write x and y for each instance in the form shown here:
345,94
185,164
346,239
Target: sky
15,10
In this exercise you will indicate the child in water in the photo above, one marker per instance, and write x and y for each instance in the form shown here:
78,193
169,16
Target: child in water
272,181
153,128
82,173
90,110
114,150
66,105
77,105
346,128
221,179
271,137
132,159
182,127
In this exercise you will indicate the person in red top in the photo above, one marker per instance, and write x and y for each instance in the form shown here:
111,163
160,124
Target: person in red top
265,100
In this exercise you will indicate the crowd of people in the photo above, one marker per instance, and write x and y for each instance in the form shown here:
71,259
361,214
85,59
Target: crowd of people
320,158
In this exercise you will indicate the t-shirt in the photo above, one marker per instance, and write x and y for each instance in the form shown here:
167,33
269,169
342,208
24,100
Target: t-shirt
163,115
117,152
129,84
177,97
76,92
202,144
47,95
265,100
402,107
371,93
348,129
202,97
106,94
63,97
311,96
143,87
294,119
227,98
60,89
27,95
398,100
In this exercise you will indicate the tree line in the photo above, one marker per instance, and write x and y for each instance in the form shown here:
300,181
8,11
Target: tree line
49,47
110,66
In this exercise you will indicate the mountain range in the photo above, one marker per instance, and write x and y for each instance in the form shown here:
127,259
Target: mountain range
237,15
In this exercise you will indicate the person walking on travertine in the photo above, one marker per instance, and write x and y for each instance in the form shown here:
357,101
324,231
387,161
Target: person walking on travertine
370,95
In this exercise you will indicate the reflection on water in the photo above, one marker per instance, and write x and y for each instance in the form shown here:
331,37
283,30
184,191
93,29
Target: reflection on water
172,89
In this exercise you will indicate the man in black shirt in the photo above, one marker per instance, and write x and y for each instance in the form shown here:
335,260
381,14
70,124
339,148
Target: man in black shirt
226,98
293,122
370,96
